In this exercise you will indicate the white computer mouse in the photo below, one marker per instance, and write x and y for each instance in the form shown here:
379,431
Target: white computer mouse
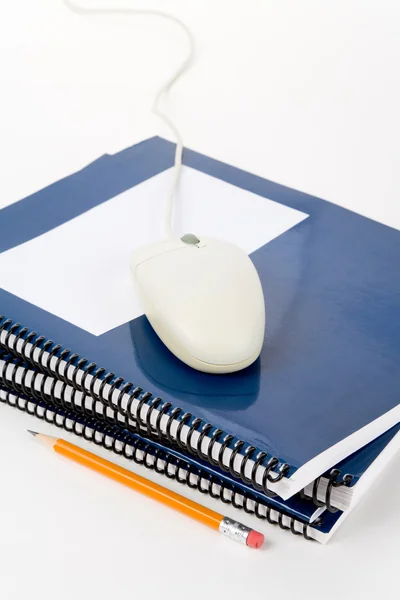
204,299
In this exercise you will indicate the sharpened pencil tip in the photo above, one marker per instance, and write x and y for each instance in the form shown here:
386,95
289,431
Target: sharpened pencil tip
34,433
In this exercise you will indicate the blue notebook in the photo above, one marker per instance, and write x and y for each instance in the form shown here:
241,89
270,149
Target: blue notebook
327,380
298,515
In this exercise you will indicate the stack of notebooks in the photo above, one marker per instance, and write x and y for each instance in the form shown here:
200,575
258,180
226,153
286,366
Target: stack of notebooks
298,437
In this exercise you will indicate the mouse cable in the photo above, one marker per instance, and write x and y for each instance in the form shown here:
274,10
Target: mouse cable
163,90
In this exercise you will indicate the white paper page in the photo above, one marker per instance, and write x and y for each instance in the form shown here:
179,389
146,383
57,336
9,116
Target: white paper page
79,271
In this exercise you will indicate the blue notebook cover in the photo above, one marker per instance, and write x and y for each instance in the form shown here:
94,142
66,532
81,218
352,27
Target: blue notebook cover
329,365
360,461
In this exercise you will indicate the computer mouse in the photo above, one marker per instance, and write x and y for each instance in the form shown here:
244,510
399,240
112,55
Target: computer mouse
204,299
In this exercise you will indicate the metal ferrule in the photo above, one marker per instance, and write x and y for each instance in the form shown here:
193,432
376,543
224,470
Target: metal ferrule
234,530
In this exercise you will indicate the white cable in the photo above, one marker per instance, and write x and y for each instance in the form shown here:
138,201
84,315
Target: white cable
164,89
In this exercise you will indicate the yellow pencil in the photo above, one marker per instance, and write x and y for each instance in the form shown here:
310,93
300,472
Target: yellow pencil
224,525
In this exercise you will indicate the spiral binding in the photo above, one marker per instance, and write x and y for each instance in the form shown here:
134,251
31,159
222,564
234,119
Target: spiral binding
14,334
143,453
333,482
273,470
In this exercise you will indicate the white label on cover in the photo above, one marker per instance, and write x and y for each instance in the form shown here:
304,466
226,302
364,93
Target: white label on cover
79,271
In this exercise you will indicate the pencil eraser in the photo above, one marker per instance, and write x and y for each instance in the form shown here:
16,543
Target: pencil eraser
255,539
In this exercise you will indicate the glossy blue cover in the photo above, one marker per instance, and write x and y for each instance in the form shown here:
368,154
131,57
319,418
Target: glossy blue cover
332,288
358,462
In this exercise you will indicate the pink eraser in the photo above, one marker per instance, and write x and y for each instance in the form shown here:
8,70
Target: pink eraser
255,539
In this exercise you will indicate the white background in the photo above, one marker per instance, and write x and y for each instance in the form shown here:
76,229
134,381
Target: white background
303,93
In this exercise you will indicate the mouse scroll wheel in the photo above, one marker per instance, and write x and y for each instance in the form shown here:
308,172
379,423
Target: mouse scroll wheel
190,238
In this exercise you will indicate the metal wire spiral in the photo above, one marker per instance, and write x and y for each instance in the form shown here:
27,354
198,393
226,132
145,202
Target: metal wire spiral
61,363
42,353
142,452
